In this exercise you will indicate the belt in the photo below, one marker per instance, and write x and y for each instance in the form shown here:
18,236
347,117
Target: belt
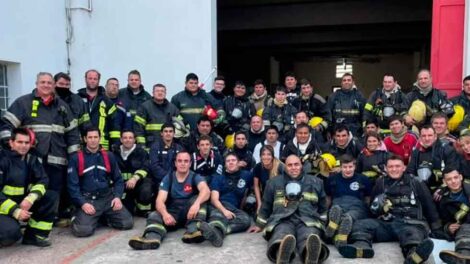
98,194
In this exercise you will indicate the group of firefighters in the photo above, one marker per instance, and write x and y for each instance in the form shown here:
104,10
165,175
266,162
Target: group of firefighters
305,171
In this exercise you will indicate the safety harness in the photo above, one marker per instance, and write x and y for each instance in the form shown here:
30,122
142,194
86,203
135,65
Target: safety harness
81,162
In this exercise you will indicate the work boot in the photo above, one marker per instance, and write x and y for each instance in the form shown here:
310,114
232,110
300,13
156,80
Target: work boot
36,240
212,234
334,218
150,240
63,222
359,249
455,257
286,249
313,249
193,237
341,237
420,253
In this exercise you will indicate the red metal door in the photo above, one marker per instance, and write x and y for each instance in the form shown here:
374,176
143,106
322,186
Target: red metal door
447,44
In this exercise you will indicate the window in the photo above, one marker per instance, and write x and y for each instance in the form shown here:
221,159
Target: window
342,68
3,89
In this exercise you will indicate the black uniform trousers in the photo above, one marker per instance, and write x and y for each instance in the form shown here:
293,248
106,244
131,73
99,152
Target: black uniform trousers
141,197
240,223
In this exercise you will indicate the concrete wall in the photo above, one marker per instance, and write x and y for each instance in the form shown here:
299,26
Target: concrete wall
164,40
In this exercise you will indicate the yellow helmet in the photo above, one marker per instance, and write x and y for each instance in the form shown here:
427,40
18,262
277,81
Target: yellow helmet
230,141
327,163
418,111
456,119
315,121
259,112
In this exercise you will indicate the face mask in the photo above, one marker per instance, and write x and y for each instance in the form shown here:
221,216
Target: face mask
293,191
62,91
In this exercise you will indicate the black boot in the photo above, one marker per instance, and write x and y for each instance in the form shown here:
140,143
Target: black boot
312,249
455,257
212,234
358,249
36,240
420,253
341,237
334,219
286,249
151,240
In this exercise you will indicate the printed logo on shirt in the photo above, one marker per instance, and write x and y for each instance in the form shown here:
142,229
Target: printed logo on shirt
188,188
354,186
241,183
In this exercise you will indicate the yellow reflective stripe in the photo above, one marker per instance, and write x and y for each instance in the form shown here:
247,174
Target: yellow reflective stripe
6,206
126,175
370,174
114,134
154,127
459,215
12,190
157,226
41,225
40,188
140,120
368,107
143,207
141,140
416,258
279,201
341,237
132,111
141,173
34,108
73,124
84,118
310,196
112,110
359,252
194,110
219,224
202,211
314,223
332,225
104,143
261,221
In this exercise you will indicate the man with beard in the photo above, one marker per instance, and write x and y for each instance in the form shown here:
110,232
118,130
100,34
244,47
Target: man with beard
311,103
260,97
239,109
101,110
134,94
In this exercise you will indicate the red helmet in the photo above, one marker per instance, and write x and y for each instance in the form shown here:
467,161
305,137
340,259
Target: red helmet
210,112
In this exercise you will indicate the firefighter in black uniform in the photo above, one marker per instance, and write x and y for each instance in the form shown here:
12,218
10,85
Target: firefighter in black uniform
280,114
385,102
103,113
204,127
134,94
346,106
206,161
239,109
311,103
23,182
434,99
404,208
134,164
294,204
96,186
464,98
454,207
152,114
342,143
292,89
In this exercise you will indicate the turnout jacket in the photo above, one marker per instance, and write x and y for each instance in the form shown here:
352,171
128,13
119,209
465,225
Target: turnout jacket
162,159
276,207
346,107
55,128
246,107
435,100
18,179
77,107
191,106
462,100
313,106
150,118
136,163
374,108
95,178
132,101
453,210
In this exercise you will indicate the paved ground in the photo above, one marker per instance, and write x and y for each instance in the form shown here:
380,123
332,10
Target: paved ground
110,246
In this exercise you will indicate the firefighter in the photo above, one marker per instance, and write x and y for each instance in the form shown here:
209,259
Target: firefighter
78,108
342,143
430,158
134,94
464,98
463,149
52,121
217,96
180,203
454,207
103,113
192,101
371,161
401,141
434,99
280,114
134,164
205,161
204,127
292,89
311,103
96,186
240,148
256,134
23,182
124,117
152,114
163,153
404,208
239,109
260,97
227,193
385,102
291,212
346,106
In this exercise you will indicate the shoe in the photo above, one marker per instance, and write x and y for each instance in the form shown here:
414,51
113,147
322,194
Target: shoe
344,229
194,237
356,250
334,219
313,248
37,241
211,234
144,243
286,249
421,253
453,257
63,222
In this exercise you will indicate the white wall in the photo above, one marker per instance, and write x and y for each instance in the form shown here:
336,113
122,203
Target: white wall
164,40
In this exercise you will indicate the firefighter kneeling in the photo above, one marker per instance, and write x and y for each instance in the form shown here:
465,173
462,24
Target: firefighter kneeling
403,204
290,215
96,186
18,202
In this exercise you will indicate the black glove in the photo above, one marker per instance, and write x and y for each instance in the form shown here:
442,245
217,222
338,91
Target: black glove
439,233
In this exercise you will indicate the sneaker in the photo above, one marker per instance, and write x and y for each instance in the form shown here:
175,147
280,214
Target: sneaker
452,257
344,229
334,218
421,253
194,237
144,243
286,249
356,251
313,248
37,241
211,234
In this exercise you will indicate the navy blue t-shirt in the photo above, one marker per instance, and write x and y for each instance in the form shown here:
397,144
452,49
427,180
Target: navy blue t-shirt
232,187
357,186
181,190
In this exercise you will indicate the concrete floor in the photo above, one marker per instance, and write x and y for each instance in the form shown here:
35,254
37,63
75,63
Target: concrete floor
110,246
